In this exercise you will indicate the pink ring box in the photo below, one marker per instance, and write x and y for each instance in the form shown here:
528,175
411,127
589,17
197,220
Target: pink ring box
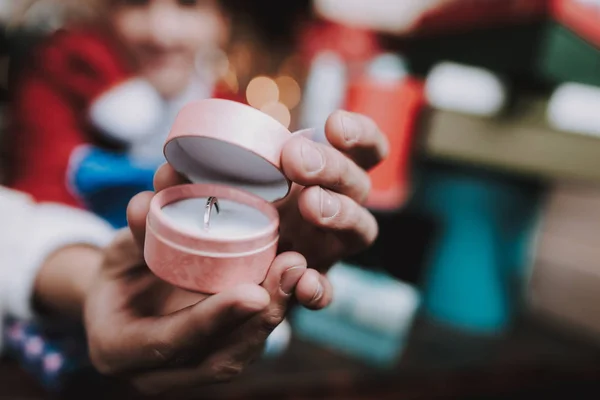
230,151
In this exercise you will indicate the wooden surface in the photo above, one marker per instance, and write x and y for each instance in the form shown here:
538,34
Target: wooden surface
531,361
519,142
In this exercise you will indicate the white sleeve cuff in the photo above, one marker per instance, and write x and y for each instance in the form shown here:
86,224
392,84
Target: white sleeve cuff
49,228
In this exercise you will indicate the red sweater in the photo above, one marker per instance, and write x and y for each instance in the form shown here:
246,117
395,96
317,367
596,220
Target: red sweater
49,109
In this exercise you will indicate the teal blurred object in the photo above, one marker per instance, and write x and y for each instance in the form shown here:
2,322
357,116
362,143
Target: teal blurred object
487,222
369,318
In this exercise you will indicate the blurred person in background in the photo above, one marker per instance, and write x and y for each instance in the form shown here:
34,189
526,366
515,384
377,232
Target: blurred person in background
93,108
95,102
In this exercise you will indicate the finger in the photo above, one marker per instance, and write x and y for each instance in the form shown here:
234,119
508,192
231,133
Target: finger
166,176
137,213
281,281
314,291
357,136
122,255
184,335
178,383
244,346
312,164
355,225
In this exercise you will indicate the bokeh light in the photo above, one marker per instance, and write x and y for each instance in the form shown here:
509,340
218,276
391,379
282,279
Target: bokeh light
262,91
279,111
290,93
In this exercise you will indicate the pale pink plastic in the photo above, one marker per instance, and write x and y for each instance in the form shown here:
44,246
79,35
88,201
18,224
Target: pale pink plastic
235,123
202,264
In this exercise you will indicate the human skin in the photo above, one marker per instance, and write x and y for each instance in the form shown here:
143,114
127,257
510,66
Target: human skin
163,38
167,340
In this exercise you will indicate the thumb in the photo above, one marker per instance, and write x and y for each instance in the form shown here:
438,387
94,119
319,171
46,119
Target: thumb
139,205
166,176
137,213
122,255
283,276
244,334
185,335
281,281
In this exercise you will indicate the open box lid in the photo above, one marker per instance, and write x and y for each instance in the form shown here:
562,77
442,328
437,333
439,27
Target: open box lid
229,143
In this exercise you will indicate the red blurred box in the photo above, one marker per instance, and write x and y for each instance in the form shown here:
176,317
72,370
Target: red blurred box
395,107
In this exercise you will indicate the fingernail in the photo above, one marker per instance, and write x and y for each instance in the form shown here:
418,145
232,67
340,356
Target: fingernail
351,128
330,205
290,279
318,294
308,133
312,157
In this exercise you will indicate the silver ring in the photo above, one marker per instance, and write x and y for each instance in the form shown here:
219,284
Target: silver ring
210,203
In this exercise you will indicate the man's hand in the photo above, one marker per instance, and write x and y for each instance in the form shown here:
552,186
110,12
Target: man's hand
323,218
167,340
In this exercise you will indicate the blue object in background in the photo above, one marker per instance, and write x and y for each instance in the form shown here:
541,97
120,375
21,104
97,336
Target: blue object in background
486,229
369,318
52,358
58,357
107,180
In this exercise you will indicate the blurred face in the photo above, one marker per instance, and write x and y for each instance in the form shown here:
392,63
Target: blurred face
164,36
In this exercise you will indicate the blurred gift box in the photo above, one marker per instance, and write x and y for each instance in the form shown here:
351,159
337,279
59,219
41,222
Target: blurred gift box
369,318
565,281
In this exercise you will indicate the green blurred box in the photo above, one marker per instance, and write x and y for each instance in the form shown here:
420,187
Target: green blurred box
566,57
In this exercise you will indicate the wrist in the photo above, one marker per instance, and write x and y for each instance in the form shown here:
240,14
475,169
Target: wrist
64,280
